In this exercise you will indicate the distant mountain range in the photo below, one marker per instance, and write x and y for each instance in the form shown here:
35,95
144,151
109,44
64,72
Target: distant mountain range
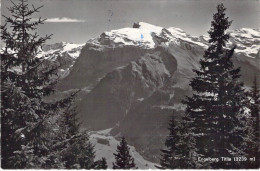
61,54
133,79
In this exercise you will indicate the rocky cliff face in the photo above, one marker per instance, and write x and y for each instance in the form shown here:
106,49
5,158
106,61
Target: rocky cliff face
135,78
122,88
110,50
61,54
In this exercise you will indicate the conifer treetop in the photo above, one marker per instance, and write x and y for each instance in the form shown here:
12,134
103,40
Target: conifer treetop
123,158
23,39
219,25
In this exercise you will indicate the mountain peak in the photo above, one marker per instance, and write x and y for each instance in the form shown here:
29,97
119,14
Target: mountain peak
247,32
58,48
151,27
140,34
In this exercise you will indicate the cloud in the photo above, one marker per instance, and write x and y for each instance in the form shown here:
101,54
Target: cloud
64,20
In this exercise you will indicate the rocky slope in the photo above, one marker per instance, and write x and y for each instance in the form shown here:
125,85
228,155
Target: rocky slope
136,77
61,54
105,145
119,90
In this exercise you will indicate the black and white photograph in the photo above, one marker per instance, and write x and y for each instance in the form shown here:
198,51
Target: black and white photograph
130,84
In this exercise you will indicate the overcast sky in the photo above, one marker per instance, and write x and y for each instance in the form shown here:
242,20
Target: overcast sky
79,20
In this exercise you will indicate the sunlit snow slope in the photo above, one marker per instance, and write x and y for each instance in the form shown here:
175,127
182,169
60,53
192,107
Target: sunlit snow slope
106,145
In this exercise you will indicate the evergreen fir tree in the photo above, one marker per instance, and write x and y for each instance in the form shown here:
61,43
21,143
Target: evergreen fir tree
29,139
20,92
185,148
179,147
101,164
79,152
69,130
123,158
85,153
168,160
69,121
253,142
216,107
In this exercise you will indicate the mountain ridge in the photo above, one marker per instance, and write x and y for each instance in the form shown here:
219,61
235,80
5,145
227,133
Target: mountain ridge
140,39
135,78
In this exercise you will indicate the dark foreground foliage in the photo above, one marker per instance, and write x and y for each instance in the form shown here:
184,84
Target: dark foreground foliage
36,133
215,124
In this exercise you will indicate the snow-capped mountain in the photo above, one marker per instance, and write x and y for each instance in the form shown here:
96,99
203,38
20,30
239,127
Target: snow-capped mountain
136,77
62,54
117,47
247,41
72,49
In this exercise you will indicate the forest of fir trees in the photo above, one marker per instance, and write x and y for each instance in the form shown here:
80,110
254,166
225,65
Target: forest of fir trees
36,134
221,118
220,127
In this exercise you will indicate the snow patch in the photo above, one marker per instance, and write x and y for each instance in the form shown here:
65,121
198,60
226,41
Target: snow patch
59,48
178,33
106,145
177,107
141,36
140,99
